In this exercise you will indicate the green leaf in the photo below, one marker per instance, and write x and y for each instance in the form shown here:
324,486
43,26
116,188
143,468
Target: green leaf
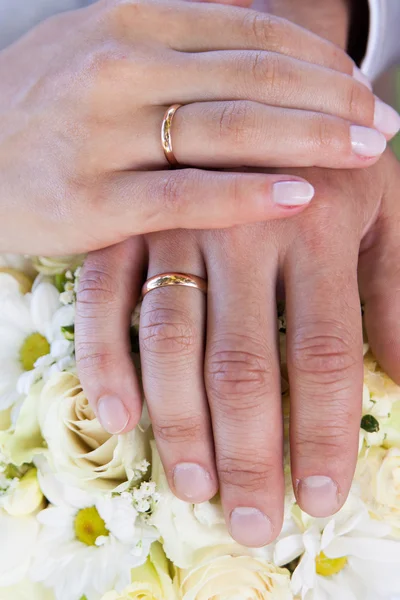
59,281
369,424
68,332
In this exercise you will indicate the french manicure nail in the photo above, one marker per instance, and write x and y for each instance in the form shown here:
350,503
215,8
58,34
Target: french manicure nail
386,119
292,193
193,483
318,496
367,142
250,527
112,414
359,76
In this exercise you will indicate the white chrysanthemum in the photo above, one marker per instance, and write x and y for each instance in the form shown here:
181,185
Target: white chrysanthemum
19,536
32,343
88,543
348,556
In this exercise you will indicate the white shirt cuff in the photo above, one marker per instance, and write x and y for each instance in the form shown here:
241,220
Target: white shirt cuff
383,48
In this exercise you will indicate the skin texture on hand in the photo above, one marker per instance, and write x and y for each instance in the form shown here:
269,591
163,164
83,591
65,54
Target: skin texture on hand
210,366
82,100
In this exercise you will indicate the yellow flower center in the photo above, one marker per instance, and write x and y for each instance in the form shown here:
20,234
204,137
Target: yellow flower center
33,348
329,566
89,526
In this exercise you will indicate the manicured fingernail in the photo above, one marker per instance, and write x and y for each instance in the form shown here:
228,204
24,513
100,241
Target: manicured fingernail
318,496
386,119
366,141
193,483
359,75
250,527
112,414
292,193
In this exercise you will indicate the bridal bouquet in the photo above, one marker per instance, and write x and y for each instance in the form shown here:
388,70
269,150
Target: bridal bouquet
85,515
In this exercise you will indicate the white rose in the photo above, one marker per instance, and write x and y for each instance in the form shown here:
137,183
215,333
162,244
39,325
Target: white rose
185,528
378,474
79,448
219,575
151,581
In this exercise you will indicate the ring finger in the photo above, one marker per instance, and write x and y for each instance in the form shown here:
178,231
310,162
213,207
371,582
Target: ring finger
242,133
172,328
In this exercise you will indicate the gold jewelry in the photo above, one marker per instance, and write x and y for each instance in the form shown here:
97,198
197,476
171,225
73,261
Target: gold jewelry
166,139
166,279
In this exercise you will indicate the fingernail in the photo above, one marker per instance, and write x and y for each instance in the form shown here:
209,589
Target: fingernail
359,76
318,496
366,141
386,119
112,414
292,193
193,483
250,527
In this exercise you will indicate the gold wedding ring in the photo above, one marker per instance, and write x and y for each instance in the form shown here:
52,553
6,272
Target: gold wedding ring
166,139
167,279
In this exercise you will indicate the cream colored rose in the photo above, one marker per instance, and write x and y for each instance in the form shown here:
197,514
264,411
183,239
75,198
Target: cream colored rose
378,474
220,576
53,266
151,581
79,448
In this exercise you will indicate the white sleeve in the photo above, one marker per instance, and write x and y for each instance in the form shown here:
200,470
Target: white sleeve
383,48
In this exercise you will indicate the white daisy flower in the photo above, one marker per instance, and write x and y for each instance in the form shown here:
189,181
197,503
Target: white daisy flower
349,556
88,543
32,341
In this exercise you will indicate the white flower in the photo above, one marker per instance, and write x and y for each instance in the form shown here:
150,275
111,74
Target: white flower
185,528
26,590
19,536
79,448
20,493
222,575
18,262
348,556
378,476
29,329
88,543
53,266
381,396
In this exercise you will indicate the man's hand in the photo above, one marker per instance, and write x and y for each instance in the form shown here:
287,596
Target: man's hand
211,373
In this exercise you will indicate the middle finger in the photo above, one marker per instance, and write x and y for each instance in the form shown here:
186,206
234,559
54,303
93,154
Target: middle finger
243,385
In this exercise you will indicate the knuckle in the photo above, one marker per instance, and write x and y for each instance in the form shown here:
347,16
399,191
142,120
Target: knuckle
358,101
322,442
167,331
323,134
238,374
265,30
323,352
93,358
96,294
244,474
237,122
183,430
175,190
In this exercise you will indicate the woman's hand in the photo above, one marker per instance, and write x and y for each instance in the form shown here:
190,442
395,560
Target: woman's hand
82,100
211,368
